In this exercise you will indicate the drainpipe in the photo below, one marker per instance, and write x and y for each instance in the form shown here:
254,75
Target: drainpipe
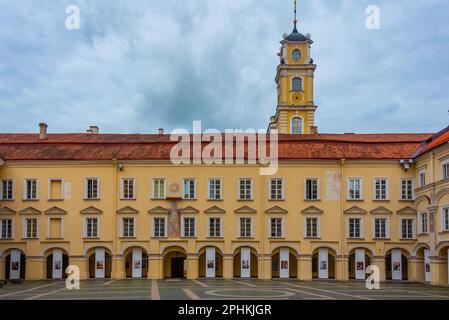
114,212
342,222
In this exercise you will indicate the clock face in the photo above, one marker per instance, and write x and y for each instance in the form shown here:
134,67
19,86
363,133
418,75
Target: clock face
296,55
297,97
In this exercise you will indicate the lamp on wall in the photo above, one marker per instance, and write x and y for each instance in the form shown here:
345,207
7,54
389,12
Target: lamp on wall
405,164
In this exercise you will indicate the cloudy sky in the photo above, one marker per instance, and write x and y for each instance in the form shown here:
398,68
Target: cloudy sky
135,66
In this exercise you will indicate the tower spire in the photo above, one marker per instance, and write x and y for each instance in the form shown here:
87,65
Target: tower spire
295,20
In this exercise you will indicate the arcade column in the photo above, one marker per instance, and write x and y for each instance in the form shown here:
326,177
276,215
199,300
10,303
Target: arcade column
155,264
82,263
341,268
35,268
228,266
2,269
379,262
192,267
264,268
305,267
118,263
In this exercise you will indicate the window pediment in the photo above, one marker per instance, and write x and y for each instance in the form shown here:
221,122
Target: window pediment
214,209
159,210
91,210
30,211
276,210
127,210
55,210
7,211
381,210
312,210
189,210
406,210
245,209
355,210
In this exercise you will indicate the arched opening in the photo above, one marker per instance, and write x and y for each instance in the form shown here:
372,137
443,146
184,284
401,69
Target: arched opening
423,264
15,265
136,263
210,263
175,266
284,263
444,260
359,259
245,263
297,84
296,125
396,264
323,263
57,262
100,263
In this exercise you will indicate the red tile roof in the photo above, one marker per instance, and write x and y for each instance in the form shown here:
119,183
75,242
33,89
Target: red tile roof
88,146
436,140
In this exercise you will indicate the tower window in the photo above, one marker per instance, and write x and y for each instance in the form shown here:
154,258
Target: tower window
296,55
296,84
296,125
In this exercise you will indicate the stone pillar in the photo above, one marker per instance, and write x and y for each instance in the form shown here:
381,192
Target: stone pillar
35,269
264,267
341,268
119,266
415,267
155,265
305,267
379,262
2,269
82,263
228,266
437,272
192,267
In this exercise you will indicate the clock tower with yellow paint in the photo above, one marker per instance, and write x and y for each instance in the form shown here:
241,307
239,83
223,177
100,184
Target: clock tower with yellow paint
295,112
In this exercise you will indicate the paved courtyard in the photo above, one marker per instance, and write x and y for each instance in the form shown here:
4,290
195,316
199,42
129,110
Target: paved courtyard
218,289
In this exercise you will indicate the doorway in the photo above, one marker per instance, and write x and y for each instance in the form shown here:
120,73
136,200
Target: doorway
177,268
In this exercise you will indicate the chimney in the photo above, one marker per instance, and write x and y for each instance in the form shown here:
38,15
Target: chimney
43,131
161,131
93,129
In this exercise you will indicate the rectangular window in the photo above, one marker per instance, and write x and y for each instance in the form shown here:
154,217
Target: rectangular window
128,228
6,229
7,189
407,229
445,170
276,227
128,188
380,228
31,228
189,192
245,227
159,188
214,189
423,222
214,227
189,227
445,223
55,191
159,227
406,189
355,228
381,189
312,189
276,189
312,228
55,228
355,189
422,178
245,189
92,187
31,189
91,228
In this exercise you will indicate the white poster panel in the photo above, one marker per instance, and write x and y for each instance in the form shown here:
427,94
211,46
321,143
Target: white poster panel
427,264
137,263
57,263
284,263
245,263
323,263
14,265
396,264
210,262
359,264
100,263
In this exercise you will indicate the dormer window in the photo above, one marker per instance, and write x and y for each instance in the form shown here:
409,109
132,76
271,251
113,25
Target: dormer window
296,55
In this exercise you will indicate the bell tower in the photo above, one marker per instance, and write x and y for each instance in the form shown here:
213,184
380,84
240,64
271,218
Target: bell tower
295,112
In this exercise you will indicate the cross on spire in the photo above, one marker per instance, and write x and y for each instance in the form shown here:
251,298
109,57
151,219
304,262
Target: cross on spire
295,20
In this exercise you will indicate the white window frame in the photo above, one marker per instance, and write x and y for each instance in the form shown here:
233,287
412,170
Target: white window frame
413,228
25,188
25,228
154,227
251,191
85,227
282,235
12,189
401,189
423,227
183,231
349,189
297,77
387,227
209,235
3,226
318,227
444,219
184,180
361,228
122,188
318,191
209,190
282,189
122,226
422,178
445,163
86,188
387,189
153,188
291,125
239,234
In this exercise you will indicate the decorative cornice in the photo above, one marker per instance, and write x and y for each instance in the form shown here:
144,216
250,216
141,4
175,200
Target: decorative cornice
91,210
312,210
381,210
276,210
189,210
245,209
355,210
127,210
159,210
30,211
406,210
214,209
7,211
55,210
